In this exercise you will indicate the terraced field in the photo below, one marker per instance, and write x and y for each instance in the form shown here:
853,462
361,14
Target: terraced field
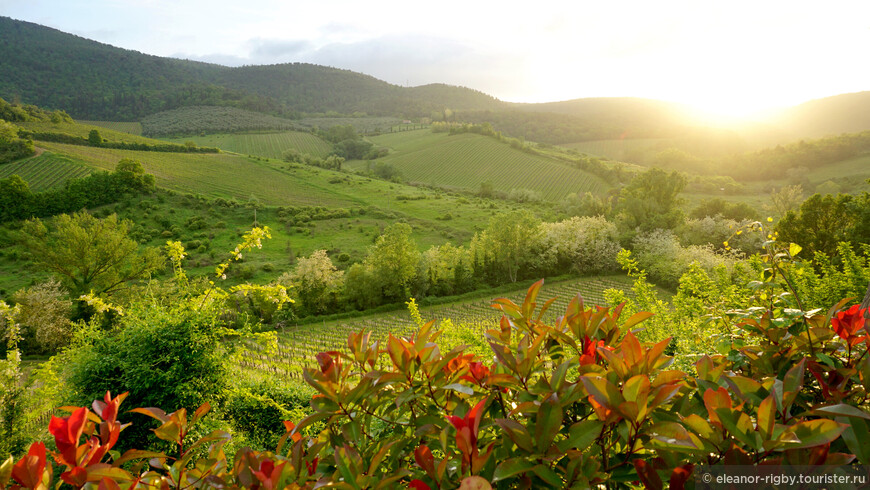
45,171
467,160
269,145
297,346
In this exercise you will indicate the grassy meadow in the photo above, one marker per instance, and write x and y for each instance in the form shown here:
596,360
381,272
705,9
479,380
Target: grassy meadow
267,145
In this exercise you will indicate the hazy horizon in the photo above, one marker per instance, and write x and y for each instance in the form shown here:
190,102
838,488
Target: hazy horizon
732,60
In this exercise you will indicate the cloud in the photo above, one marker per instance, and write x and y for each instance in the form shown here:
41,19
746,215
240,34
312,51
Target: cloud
275,50
419,59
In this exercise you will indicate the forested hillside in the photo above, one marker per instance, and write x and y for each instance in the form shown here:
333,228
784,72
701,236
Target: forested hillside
43,66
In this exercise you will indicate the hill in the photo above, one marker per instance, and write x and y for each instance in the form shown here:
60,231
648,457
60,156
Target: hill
829,116
468,160
43,66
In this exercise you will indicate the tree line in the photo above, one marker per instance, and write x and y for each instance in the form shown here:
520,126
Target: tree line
17,201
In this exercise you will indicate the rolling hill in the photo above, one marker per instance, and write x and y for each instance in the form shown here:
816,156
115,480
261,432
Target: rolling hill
44,66
465,161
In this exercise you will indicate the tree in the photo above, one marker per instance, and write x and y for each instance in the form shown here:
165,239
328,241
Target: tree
510,243
14,197
651,200
786,199
393,261
89,254
316,281
94,138
824,221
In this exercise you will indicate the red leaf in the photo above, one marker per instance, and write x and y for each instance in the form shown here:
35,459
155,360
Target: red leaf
418,485
28,470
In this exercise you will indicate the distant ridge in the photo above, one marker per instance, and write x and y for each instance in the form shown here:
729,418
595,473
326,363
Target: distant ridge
91,80
96,81
844,113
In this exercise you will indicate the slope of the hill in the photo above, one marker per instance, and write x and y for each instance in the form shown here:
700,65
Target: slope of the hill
466,161
91,80
844,113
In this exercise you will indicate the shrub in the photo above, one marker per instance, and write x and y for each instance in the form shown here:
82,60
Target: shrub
577,404
44,316
163,357
661,255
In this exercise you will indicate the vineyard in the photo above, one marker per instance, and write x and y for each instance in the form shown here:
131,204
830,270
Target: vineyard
297,346
279,184
468,160
217,175
268,145
134,128
360,124
210,119
45,171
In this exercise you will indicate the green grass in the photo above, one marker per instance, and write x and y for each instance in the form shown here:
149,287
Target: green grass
82,130
45,171
858,167
268,145
467,160
630,150
275,183
134,128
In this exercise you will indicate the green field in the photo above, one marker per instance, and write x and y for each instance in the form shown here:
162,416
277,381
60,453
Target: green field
82,130
297,343
631,150
268,145
134,128
275,183
465,161
360,124
45,171
853,168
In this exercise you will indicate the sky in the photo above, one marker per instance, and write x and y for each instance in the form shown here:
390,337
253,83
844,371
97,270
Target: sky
731,57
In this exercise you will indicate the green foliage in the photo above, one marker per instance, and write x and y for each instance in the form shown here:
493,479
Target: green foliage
12,438
87,254
737,211
508,245
661,255
11,146
316,282
650,201
43,315
93,190
824,221
94,138
393,261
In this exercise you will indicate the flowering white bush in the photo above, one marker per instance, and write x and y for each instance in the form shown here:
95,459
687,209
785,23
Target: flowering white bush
588,245
659,253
